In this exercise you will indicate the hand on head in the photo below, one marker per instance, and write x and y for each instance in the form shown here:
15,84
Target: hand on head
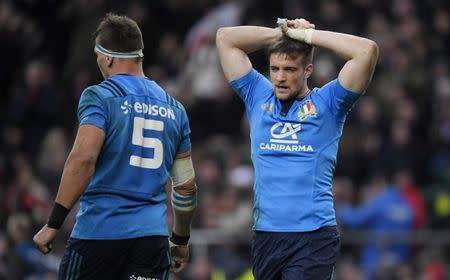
298,29
299,23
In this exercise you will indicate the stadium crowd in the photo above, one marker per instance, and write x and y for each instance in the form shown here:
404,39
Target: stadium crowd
396,140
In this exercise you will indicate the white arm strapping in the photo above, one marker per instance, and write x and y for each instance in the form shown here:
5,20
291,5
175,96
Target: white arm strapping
182,171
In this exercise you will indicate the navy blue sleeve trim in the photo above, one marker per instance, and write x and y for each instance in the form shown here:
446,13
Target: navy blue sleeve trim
119,87
109,89
113,89
116,90
167,98
177,104
172,101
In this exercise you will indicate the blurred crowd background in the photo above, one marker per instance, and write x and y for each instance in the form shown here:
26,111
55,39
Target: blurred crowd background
392,181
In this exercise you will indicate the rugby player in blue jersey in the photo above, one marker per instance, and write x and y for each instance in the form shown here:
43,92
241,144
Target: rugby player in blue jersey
294,135
132,137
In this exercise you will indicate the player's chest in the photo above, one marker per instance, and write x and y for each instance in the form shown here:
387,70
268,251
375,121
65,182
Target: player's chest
280,125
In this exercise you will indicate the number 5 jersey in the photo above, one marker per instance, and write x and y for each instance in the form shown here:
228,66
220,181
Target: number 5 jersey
145,129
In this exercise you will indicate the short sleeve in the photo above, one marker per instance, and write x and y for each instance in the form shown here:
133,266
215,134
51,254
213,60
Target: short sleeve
249,85
339,99
92,110
185,143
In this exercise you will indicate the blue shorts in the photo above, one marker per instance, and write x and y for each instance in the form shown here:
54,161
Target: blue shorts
145,257
295,255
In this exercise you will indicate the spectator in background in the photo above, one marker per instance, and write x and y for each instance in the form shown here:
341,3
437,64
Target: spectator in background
413,195
35,104
53,153
205,92
21,38
433,264
11,143
27,193
383,212
347,269
400,151
11,267
367,145
19,229
201,269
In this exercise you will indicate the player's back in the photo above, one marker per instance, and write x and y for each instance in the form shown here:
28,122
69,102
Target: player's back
145,128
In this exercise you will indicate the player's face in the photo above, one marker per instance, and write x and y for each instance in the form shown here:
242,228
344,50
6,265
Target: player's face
287,75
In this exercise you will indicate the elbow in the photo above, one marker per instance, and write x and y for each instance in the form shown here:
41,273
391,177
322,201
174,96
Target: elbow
187,188
372,52
222,35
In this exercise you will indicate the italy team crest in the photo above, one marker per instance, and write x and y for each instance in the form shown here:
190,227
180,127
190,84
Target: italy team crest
267,107
306,109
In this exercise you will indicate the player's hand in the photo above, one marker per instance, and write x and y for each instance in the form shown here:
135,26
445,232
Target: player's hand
44,238
299,23
180,256
298,29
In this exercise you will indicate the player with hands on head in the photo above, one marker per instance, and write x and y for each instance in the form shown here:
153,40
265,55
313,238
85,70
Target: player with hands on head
294,132
132,138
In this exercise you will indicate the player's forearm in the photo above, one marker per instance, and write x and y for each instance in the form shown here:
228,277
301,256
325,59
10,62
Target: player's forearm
246,38
76,175
182,222
184,202
361,55
346,45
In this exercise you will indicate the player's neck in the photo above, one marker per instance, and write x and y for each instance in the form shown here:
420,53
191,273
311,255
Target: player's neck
303,92
132,70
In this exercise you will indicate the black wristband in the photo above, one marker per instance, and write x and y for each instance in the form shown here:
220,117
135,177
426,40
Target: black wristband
178,239
57,216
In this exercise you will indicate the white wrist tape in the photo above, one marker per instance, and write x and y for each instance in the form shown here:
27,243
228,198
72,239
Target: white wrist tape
282,22
182,171
302,35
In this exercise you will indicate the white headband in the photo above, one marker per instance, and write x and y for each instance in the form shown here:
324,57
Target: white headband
133,54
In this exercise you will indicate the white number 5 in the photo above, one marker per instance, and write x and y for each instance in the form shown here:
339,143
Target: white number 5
139,140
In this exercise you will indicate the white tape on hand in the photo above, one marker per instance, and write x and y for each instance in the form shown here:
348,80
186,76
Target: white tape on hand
282,22
302,35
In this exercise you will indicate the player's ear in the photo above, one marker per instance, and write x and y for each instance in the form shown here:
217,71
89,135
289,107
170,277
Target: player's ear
109,61
308,70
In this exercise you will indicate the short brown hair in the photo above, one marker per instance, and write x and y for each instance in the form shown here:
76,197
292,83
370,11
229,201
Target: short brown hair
292,48
119,33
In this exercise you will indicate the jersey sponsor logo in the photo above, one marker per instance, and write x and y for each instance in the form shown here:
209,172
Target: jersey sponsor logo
149,109
280,132
284,138
286,148
306,110
126,107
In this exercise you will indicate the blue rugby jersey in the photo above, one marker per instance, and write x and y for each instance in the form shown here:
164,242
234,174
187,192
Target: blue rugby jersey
145,128
294,156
